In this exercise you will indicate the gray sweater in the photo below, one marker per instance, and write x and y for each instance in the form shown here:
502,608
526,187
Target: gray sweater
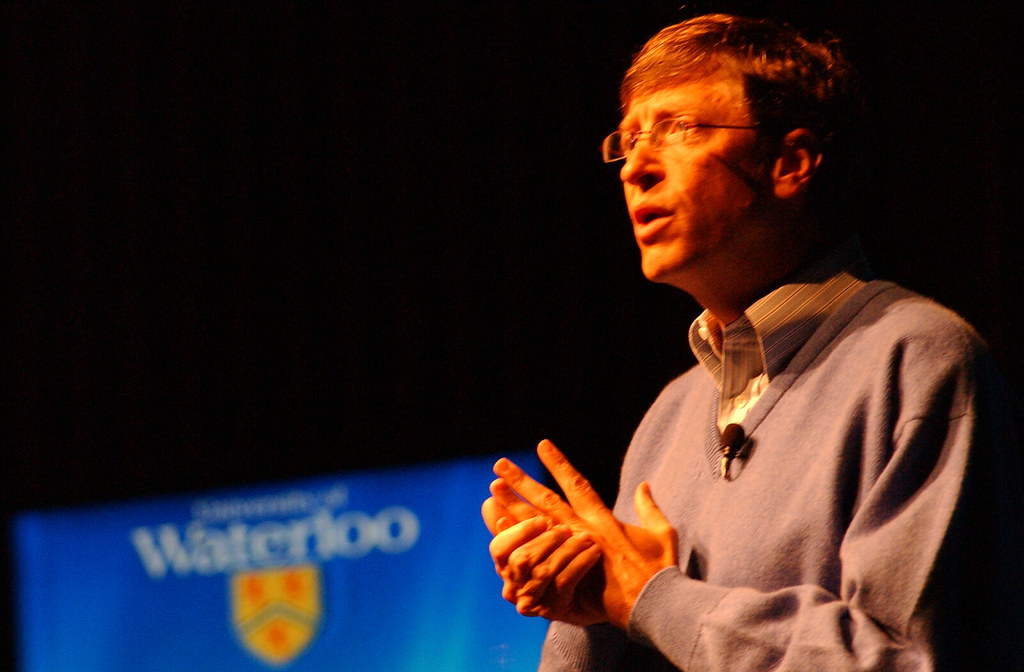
873,521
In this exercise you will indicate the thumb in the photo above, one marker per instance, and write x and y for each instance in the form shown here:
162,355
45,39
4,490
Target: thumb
651,516
662,540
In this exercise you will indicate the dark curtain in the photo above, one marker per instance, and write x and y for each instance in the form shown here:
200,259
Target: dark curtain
252,241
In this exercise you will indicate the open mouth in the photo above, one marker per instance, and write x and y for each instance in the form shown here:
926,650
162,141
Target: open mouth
645,216
649,223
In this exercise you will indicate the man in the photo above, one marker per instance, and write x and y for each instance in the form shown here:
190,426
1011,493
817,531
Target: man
835,485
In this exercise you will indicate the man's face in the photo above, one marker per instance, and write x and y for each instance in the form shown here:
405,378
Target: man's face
693,202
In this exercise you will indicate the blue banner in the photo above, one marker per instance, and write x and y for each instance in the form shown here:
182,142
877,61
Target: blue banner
372,571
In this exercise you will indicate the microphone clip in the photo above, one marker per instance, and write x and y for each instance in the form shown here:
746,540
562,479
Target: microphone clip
732,441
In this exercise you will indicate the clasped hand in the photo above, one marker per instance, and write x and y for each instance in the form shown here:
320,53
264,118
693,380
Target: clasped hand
572,560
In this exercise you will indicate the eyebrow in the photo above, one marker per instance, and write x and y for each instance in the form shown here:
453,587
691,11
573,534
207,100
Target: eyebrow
661,116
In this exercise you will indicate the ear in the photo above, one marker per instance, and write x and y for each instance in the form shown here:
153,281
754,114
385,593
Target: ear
797,163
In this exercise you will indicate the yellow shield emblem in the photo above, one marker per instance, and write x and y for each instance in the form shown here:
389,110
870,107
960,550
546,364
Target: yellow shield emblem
276,612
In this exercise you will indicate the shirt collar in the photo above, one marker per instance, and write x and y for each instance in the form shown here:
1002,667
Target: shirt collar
772,329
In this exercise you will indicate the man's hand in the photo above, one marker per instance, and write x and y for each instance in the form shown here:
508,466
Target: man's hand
547,570
543,561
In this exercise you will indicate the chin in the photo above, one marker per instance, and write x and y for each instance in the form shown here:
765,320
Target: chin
657,270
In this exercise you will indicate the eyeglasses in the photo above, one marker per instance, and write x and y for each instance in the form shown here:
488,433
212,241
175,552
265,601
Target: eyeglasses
620,145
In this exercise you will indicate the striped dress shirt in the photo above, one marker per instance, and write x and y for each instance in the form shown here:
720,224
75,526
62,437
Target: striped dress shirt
743,356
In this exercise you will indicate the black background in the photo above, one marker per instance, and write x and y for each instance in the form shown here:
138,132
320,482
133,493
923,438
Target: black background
254,241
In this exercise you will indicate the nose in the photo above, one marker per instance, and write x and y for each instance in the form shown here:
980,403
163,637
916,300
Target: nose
643,167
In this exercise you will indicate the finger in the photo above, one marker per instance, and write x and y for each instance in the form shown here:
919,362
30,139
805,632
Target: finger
581,494
517,570
534,493
570,577
566,558
527,606
492,511
507,497
551,598
506,541
524,559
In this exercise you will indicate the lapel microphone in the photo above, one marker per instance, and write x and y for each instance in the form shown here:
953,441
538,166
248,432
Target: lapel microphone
732,440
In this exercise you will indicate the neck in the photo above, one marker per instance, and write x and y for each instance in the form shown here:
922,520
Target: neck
726,294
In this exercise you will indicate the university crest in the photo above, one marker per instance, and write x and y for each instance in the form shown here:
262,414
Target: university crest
276,612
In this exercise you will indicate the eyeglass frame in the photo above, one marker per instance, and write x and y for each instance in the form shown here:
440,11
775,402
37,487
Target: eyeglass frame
670,124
